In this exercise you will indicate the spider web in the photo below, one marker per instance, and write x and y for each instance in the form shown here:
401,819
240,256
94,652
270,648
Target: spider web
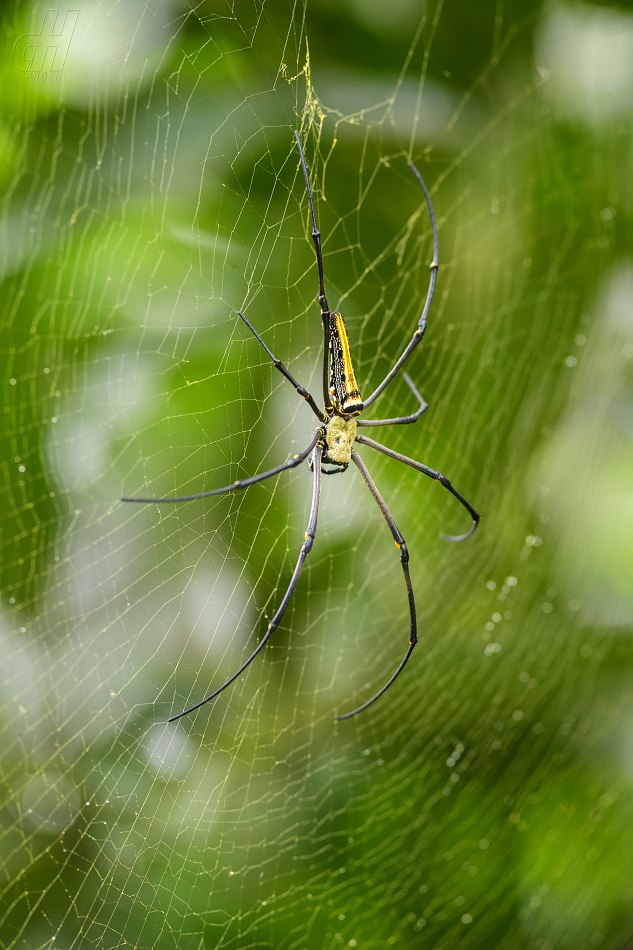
151,188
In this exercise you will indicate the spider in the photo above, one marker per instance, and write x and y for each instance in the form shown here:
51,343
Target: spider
334,439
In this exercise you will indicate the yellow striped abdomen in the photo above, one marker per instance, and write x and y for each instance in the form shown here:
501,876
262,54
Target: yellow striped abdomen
343,385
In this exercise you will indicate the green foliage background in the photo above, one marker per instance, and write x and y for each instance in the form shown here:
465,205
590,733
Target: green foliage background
485,801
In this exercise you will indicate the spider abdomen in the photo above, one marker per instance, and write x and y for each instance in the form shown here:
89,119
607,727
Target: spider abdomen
340,435
343,385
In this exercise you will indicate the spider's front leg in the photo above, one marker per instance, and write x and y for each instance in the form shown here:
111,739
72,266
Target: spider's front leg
241,482
432,473
404,562
306,547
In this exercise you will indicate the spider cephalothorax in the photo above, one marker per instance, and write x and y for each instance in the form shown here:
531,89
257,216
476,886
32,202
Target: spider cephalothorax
335,438
340,435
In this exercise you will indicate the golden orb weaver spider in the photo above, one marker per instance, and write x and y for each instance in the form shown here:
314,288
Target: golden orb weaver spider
334,438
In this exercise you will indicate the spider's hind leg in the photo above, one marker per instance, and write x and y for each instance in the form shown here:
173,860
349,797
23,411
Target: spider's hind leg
418,335
284,372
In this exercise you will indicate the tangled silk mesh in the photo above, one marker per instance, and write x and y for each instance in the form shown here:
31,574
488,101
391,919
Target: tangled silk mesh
149,194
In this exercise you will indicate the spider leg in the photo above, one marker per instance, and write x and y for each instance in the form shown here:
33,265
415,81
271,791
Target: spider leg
432,473
306,547
400,420
419,333
325,310
244,482
282,369
404,561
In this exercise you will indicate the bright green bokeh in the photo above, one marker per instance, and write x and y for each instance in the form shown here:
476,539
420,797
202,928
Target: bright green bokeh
150,191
